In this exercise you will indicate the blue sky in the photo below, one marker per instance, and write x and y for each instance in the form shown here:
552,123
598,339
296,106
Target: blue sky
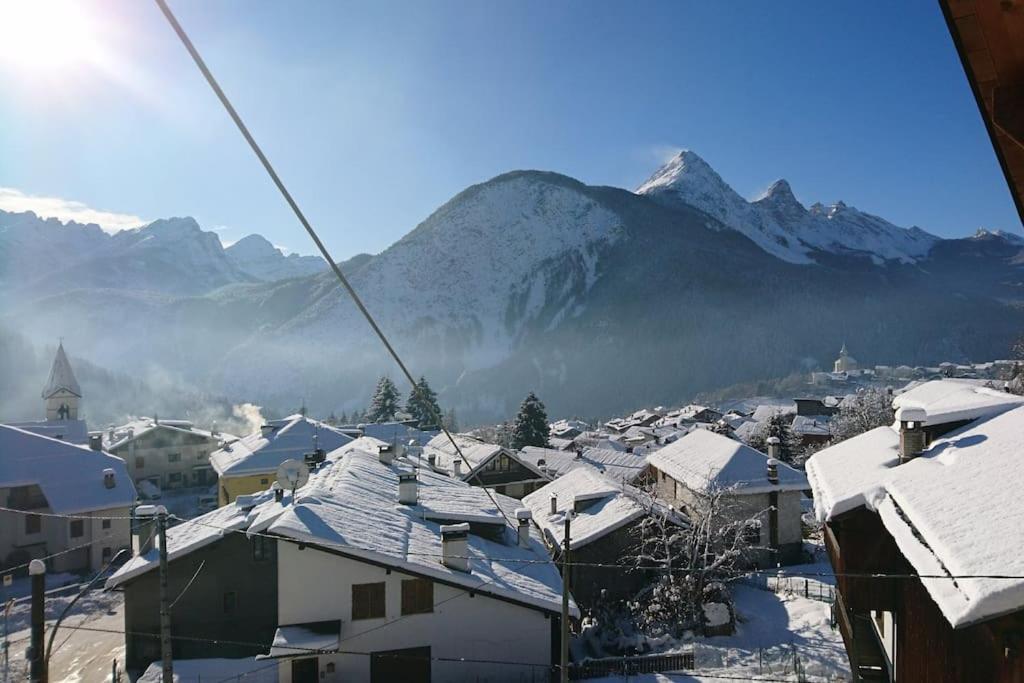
377,113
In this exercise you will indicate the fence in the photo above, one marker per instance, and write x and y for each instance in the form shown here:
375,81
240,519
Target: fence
628,666
793,585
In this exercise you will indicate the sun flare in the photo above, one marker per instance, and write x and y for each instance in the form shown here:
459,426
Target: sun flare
46,36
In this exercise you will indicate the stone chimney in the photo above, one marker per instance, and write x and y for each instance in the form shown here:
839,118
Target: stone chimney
96,442
523,515
455,546
912,436
386,455
554,504
773,471
457,467
774,447
407,488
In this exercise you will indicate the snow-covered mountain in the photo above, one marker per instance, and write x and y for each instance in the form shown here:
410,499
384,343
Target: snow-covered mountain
778,223
168,256
256,256
598,298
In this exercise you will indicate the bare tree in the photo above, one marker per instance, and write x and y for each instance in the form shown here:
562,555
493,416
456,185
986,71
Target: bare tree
690,561
867,410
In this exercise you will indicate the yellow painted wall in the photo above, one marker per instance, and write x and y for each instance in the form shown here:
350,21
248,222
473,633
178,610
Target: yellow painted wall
229,488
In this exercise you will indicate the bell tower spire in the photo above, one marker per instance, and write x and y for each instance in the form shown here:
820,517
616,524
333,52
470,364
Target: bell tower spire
62,393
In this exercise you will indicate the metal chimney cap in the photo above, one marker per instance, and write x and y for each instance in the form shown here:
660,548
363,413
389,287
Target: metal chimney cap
150,510
36,567
772,462
773,440
524,514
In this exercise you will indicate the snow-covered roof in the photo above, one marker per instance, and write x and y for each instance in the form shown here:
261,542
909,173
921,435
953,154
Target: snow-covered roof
397,432
845,475
72,431
475,452
263,451
619,465
607,507
61,376
300,639
350,505
704,459
953,400
765,412
70,476
956,509
120,435
812,425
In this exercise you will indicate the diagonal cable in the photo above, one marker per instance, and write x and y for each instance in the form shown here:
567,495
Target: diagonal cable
244,130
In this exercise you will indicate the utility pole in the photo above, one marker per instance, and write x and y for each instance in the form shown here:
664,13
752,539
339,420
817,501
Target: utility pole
165,610
37,651
566,568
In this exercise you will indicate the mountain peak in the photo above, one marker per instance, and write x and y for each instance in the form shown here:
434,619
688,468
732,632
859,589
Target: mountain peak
252,246
686,167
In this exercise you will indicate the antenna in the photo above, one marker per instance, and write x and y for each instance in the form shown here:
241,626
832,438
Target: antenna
293,474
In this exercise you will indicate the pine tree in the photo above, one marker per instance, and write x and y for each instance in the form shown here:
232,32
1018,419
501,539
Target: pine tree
531,426
385,402
343,419
422,405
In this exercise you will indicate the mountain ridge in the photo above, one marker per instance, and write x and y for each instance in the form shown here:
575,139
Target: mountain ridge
598,298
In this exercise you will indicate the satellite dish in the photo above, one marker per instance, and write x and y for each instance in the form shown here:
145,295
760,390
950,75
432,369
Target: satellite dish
292,474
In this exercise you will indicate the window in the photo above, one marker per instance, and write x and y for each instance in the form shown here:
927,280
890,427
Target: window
201,455
174,478
262,547
367,601
33,524
417,596
230,602
77,528
140,462
107,554
264,482
174,457
106,524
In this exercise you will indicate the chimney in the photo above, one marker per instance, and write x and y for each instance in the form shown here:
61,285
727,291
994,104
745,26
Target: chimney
278,492
773,471
542,463
912,436
774,447
386,455
455,546
213,430
432,460
554,504
96,442
523,515
266,431
457,467
108,478
407,488
144,528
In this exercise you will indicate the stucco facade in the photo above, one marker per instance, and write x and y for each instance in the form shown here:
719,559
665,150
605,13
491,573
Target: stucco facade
172,456
230,488
317,586
24,537
748,506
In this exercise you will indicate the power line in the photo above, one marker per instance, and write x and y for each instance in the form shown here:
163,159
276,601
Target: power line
772,572
244,130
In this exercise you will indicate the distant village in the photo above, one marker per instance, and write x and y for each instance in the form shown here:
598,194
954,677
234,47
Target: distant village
735,539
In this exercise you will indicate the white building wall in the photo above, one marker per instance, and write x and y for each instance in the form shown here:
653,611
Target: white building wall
317,586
